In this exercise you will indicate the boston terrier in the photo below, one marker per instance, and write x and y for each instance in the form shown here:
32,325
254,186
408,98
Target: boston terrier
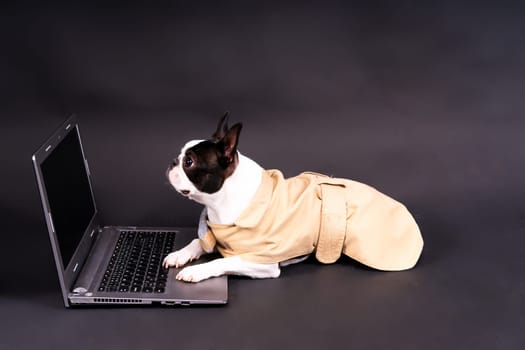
259,221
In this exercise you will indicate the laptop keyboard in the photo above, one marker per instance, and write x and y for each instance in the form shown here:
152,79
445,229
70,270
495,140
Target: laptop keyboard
136,263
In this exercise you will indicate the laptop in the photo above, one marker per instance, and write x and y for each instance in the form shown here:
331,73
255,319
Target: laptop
102,264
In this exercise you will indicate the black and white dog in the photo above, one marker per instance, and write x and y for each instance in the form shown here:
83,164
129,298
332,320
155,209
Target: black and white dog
260,221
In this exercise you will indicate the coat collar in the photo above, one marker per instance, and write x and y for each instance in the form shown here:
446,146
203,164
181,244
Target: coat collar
252,215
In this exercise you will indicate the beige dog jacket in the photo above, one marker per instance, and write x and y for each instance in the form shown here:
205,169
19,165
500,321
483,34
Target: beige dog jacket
311,212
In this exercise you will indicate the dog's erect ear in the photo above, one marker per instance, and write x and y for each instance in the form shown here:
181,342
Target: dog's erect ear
229,143
222,128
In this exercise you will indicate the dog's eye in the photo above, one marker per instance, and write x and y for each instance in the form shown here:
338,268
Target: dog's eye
188,162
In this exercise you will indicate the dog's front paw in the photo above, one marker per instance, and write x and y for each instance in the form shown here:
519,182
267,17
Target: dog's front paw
177,259
195,273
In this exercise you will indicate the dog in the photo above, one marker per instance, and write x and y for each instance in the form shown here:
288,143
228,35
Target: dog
259,221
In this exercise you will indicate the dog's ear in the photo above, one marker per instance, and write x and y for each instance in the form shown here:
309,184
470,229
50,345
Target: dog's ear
229,142
222,128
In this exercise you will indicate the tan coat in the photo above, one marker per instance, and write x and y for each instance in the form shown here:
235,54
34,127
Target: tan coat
314,213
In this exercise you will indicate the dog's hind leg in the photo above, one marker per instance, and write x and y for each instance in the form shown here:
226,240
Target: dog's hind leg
294,260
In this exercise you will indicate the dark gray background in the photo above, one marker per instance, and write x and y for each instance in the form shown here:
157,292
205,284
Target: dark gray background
424,102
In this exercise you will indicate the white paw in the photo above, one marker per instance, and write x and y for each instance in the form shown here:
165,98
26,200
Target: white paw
177,259
195,273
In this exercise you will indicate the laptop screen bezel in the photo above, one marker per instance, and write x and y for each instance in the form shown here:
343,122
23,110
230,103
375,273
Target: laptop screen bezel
67,274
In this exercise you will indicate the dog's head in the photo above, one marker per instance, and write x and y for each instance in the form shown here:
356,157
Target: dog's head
203,165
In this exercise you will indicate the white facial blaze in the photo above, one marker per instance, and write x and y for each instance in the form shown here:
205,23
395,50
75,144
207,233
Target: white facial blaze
177,176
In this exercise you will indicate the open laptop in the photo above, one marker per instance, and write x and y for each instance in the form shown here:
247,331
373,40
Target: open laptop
101,264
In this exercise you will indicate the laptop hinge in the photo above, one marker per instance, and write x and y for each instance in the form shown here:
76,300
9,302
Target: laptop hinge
89,266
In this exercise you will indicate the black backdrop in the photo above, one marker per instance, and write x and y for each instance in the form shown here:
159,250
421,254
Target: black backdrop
424,102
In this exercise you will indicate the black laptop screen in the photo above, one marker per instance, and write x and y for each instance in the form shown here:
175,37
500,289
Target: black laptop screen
69,193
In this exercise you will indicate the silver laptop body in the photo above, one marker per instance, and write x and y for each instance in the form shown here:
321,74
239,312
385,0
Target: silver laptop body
83,247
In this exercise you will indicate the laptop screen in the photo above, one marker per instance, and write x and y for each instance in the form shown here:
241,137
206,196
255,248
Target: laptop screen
69,193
